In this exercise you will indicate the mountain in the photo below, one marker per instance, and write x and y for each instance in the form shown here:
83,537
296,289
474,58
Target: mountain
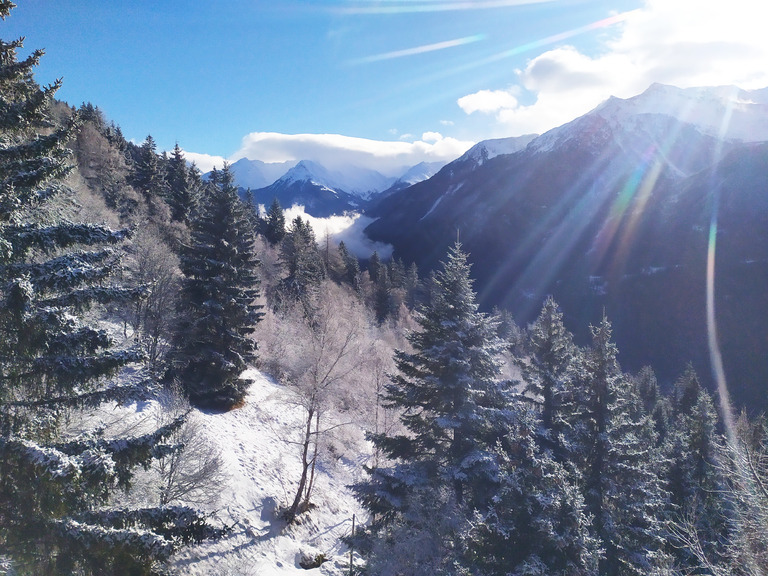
325,192
612,212
487,149
257,174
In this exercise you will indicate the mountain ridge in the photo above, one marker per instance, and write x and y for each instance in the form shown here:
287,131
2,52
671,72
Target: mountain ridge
611,212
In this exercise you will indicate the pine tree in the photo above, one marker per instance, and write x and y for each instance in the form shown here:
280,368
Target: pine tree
619,464
454,409
219,291
374,267
351,274
692,477
54,492
549,374
147,174
183,193
537,524
382,302
303,264
274,227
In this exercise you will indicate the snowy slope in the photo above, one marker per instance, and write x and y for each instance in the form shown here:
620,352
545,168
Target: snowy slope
487,149
726,112
261,469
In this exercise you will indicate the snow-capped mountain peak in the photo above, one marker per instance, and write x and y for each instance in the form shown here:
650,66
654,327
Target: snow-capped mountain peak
360,182
487,149
724,111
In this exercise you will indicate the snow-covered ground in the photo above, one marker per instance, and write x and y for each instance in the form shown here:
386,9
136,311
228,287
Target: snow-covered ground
261,469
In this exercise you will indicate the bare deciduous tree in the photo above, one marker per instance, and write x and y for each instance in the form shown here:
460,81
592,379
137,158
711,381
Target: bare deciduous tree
154,266
191,474
320,357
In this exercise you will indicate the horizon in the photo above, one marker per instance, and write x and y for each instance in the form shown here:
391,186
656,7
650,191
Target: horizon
404,80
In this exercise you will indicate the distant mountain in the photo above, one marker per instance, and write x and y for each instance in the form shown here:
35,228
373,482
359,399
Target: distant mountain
257,174
324,192
612,212
422,171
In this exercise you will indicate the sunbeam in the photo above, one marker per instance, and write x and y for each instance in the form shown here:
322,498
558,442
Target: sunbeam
406,6
555,38
419,49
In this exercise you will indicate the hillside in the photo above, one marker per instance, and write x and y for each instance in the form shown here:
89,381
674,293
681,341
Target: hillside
612,211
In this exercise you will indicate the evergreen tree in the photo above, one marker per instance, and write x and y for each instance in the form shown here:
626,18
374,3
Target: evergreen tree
382,302
54,492
304,265
218,296
148,177
549,374
183,193
454,410
351,273
374,267
692,476
537,524
619,465
274,227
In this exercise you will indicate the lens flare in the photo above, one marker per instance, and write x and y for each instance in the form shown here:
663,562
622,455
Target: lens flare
419,49
411,7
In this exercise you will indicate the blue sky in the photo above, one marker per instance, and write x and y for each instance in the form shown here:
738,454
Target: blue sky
426,78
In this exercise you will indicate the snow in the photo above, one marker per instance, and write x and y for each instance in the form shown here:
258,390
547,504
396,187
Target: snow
487,149
263,470
256,174
360,182
726,112
420,172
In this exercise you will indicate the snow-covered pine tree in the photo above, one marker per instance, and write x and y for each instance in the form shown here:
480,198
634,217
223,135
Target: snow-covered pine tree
549,373
350,266
454,409
219,309
303,264
537,524
615,449
692,476
54,492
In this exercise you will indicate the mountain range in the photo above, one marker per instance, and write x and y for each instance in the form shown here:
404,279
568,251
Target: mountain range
322,191
617,212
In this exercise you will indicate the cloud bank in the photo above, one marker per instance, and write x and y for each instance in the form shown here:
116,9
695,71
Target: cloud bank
347,228
335,151
680,42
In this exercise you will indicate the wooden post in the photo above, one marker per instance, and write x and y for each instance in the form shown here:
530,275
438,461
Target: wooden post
351,549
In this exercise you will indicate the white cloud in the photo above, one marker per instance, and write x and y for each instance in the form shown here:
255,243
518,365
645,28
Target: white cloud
680,42
205,162
335,151
487,101
348,228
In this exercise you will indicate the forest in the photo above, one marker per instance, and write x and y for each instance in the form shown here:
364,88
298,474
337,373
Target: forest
496,449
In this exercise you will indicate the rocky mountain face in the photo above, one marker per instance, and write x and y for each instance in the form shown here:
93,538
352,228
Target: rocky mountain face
618,212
